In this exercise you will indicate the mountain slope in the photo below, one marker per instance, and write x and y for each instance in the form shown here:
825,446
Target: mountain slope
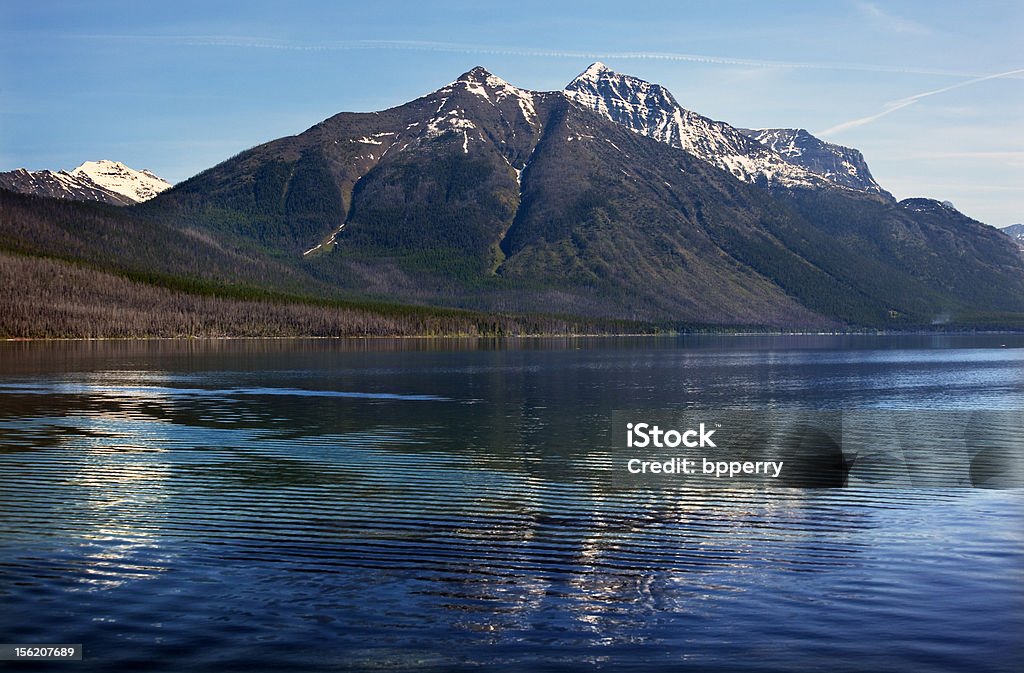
627,229
120,239
296,192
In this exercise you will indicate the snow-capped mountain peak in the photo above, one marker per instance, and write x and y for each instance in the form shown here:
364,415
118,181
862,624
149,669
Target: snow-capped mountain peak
486,85
479,74
489,88
650,110
594,71
104,181
120,179
601,87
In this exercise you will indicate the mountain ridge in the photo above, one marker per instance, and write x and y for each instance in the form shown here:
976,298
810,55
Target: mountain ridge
651,110
844,166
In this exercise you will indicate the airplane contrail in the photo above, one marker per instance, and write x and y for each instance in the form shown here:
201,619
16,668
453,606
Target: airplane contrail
895,105
251,42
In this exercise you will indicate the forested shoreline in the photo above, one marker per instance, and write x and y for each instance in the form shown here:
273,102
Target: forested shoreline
52,298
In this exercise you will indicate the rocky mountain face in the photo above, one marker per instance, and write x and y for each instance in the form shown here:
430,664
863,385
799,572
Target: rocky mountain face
843,166
103,181
650,110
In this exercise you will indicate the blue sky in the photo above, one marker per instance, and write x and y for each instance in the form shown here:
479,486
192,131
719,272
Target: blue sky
177,87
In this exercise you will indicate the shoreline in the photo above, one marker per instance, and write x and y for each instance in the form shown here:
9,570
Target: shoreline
622,335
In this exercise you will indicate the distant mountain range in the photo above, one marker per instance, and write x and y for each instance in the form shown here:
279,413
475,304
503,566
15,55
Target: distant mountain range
104,181
1016,232
607,199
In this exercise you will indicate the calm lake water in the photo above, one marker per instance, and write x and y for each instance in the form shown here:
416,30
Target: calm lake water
458,505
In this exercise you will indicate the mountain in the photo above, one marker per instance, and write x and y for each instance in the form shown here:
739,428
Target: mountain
59,185
482,194
1016,232
604,200
842,165
120,179
103,181
650,110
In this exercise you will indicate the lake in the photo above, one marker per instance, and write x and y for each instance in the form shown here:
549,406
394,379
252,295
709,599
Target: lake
417,504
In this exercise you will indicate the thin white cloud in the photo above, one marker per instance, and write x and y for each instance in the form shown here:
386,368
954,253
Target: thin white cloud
1007,156
895,105
249,42
917,184
886,21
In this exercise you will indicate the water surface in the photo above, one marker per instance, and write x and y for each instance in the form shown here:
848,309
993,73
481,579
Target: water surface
419,504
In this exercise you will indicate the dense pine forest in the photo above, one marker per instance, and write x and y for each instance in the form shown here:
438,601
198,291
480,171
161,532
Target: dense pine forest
48,298
87,270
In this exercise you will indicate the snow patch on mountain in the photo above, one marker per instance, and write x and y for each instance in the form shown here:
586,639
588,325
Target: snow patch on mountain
495,90
841,165
452,120
523,98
